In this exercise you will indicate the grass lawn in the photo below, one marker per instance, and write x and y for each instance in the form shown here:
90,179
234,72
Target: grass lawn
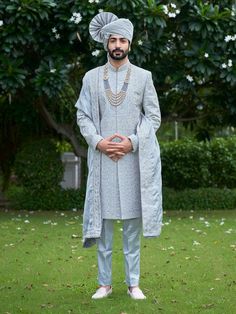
191,268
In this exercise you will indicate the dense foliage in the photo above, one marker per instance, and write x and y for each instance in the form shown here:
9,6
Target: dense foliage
190,164
58,199
199,199
190,47
38,166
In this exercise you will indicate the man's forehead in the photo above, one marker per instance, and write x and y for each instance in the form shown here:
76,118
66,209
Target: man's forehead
117,36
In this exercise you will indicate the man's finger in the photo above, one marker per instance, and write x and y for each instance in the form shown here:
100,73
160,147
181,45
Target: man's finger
116,154
122,137
116,149
115,145
110,138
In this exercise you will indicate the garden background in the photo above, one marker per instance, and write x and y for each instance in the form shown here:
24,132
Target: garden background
190,48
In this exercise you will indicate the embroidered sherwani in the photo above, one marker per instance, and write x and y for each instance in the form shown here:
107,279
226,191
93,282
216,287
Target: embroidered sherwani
120,191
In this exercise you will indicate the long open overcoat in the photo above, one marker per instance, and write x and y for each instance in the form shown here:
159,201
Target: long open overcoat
144,140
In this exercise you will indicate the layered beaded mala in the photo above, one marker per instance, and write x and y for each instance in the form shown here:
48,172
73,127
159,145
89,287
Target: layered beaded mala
115,99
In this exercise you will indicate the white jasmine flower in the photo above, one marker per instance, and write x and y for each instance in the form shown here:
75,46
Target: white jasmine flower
224,66
173,5
27,221
96,1
206,55
230,63
173,35
222,223
52,70
62,214
76,18
91,1
100,10
189,78
165,8
1,22
140,42
18,228
177,11
228,38
170,14
54,30
95,53
57,36
196,243
185,43
190,217
229,231
201,218
121,229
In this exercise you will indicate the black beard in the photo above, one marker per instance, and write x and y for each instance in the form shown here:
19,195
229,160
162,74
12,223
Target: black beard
121,57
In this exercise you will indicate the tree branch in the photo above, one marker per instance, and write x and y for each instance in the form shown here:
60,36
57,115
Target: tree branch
63,129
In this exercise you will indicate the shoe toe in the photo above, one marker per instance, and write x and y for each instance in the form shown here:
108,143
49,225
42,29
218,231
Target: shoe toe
101,293
136,294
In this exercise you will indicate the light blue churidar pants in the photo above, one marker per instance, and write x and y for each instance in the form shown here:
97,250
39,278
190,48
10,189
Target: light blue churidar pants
131,249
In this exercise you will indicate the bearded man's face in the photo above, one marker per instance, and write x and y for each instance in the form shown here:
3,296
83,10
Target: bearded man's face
118,47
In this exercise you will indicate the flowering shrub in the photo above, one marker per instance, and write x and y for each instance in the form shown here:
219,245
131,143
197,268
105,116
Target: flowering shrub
190,47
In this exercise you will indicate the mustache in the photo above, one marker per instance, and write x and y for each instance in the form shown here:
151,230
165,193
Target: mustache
118,50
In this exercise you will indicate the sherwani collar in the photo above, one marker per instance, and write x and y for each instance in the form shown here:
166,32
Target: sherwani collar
123,67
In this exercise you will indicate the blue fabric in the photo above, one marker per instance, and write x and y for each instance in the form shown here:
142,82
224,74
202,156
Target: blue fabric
88,116
131,250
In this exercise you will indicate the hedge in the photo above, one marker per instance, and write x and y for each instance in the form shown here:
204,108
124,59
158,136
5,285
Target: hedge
191,164
59,199
38,165
190,199
199,199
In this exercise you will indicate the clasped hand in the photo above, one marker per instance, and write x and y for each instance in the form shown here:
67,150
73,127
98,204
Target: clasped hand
115,150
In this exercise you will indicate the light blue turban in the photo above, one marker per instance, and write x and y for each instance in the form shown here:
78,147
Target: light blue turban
105,24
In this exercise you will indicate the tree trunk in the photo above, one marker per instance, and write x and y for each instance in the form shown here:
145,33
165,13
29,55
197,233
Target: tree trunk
63,129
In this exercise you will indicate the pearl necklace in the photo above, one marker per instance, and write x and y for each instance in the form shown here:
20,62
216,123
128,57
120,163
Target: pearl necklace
115,99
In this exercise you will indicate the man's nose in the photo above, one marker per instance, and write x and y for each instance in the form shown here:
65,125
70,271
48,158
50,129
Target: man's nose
118,45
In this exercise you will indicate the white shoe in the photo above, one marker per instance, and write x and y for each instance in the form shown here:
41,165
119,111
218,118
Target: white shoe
102,292
136,293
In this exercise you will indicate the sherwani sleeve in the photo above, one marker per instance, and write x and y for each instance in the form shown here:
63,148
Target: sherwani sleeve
151,109
151,104
84,116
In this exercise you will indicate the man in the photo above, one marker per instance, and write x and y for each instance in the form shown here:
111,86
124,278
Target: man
118,114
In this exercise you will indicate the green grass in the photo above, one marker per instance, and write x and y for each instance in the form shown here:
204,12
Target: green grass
191,268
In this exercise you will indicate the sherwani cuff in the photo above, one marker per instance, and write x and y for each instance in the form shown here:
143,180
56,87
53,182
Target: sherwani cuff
134,140
95,140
